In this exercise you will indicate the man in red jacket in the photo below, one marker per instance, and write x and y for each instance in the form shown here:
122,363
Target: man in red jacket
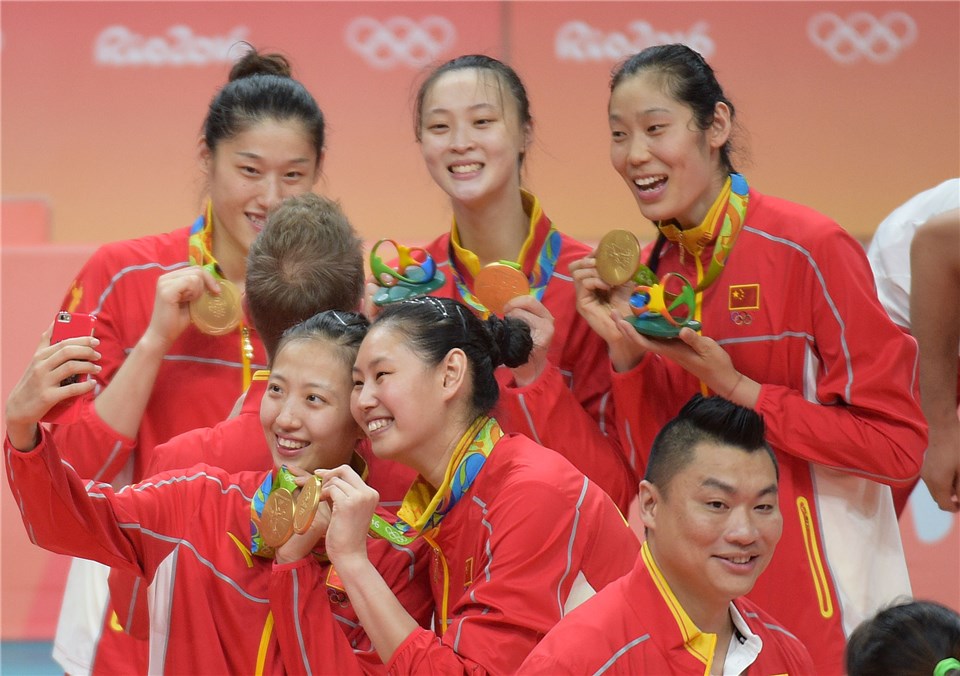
709,505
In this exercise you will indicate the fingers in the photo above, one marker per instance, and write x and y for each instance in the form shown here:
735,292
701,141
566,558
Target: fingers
370,309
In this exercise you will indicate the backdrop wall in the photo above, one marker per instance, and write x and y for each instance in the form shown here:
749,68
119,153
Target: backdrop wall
849,107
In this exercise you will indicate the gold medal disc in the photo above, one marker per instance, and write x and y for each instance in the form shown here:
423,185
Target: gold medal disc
217,315
496,284
276,523
307,503
618,256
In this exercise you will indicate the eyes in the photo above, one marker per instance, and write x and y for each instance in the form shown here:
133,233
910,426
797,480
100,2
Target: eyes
276,391
438,127
720,506
292,176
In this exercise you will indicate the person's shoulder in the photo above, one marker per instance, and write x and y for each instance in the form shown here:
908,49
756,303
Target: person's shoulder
780,220
164,248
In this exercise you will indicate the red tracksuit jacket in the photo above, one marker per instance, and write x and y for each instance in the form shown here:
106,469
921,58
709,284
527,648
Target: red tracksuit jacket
568,408
796,311
213,610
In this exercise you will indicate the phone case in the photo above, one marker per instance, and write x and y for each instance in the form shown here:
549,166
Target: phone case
69,325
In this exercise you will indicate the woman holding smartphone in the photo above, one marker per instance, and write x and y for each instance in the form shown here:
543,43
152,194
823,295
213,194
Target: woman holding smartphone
262,140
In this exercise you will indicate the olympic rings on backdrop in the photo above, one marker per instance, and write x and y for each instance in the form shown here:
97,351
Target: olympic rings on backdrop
862,35
399,40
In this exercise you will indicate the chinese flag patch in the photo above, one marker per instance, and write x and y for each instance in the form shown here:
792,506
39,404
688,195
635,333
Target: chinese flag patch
744,297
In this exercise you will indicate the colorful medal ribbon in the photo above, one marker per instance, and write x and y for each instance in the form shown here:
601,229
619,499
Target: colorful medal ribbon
200,252
729,211
423,507
282,478
542,267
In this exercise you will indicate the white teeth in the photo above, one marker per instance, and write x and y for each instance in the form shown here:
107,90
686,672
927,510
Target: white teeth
257,221
291,444
374,425
648,181
740,559
466,168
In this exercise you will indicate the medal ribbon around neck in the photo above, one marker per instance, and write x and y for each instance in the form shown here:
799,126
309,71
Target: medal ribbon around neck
729,211
282,478
540,273
200,252
423,508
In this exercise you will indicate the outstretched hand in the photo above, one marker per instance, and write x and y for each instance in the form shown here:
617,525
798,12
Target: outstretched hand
40,389
700,356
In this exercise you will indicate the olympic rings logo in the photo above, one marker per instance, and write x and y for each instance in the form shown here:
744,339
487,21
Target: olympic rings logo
862,35
741,318
400,40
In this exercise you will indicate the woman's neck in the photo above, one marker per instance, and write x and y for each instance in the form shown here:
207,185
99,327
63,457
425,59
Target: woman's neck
494,231
231,258
701,208
435,463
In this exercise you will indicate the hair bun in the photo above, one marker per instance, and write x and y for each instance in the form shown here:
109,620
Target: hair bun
255,63
512,342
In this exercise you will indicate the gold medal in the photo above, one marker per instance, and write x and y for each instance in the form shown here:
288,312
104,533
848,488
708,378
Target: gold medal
498,283
618,256
307,503
217,315
277,519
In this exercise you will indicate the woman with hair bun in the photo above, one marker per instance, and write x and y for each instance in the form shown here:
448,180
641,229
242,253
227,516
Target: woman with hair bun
519,536
158,374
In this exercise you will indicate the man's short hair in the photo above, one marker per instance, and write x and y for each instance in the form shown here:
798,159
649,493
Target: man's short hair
306,260
712,420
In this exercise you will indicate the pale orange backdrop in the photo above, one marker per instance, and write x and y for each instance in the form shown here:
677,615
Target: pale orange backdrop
101,105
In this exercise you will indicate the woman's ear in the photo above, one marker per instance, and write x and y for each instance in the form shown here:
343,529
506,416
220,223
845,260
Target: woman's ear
453,371
204,156
721,126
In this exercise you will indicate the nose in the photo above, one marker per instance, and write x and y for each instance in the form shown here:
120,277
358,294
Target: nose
639,150
272,192
742,527
365,398
461,138
288,416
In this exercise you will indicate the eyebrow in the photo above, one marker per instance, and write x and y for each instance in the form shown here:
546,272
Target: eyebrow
648,111
710,482
255,156
373,363
474,107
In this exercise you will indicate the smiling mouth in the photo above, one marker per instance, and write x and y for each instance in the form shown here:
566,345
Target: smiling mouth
258,221
465,168
290,446
650,182
378,424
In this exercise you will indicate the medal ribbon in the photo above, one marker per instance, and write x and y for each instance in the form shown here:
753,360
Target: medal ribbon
729,212
423,507
543,238
200,252
282,478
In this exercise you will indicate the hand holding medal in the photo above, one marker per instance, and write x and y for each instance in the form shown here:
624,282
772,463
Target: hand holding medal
411,278
217,314
498,283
